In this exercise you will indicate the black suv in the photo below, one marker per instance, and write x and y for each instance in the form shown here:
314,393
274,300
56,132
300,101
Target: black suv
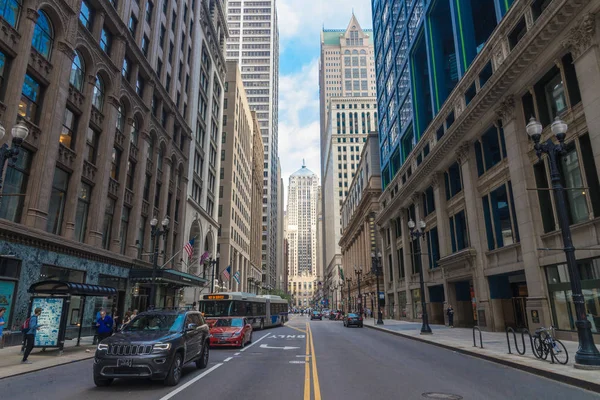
156,345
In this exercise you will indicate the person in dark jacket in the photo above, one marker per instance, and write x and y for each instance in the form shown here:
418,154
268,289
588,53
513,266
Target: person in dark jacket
34,326
104,324
450,314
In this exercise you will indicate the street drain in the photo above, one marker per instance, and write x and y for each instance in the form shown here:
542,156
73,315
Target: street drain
448,396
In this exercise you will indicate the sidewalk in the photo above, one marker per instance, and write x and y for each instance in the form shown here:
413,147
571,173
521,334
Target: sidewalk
495,349
10,359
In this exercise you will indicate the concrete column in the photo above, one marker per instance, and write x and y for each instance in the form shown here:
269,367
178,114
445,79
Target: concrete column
441,214
135,217
395,266
408,260
583,44
14,85
98,24
526,209
44,161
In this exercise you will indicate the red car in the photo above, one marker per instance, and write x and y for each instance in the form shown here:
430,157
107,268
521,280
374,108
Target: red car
230,331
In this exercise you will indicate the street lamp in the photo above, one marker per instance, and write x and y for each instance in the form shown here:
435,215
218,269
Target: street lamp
19,133
358,273
587,354
418,234
213,263
156,233
349,302
376,260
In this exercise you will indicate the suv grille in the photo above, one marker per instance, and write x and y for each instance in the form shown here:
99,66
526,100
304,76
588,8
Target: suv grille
129,349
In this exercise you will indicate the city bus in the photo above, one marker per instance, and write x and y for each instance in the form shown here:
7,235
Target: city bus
262,311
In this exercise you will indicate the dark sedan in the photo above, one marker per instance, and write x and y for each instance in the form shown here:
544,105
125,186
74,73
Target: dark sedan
316,315
353,319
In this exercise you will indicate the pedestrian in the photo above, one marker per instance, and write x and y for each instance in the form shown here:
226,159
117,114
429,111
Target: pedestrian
2,322
30,331
135,313
116,318
126,319
104,325
450,314
95,340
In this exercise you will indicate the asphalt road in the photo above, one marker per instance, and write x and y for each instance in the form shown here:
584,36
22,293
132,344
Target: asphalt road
318,360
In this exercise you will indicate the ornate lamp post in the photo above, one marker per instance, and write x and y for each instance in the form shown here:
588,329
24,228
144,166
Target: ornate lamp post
349,302
358,273
213,262
156,233
376,260
418,234
587,354
19,133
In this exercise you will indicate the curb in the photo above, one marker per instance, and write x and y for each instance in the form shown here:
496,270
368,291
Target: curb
591,386
42,368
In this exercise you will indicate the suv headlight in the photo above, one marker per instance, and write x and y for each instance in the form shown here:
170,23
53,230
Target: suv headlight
102,347
160,347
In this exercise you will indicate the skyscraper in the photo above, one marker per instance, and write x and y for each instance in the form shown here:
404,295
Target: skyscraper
254,42
348,114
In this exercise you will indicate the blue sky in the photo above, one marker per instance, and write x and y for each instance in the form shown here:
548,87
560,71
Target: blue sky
300,24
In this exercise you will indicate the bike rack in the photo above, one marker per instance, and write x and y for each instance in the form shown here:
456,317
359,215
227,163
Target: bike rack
511,330
480,337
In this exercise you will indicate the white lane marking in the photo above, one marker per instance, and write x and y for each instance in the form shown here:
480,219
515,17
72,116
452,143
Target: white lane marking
236,354
227,359
266,346
297,362
253,343
190,383
302,355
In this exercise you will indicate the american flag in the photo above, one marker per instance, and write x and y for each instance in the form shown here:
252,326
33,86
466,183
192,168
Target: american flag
189,248
227,272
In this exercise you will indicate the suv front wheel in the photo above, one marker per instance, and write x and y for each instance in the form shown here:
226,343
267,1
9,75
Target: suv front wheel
101,382
175,372
203,361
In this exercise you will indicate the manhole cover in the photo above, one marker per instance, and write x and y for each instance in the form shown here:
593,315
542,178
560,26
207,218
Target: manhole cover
448,396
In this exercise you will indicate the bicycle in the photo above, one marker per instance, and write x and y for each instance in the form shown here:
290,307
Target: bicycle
545,343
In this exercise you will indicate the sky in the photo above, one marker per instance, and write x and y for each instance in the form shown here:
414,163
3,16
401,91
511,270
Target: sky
300,24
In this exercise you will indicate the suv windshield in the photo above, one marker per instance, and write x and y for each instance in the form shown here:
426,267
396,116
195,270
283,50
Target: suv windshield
156,322
234,322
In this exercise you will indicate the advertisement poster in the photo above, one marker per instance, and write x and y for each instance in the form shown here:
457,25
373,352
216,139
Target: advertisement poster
52,307
7,290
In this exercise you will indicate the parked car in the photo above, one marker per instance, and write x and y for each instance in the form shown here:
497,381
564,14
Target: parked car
316,315
231,331
155,345
353,319
326,313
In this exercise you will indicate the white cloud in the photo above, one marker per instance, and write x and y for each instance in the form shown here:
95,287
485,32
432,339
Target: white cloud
300,24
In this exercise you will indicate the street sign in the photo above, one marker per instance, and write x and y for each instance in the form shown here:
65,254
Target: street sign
381,295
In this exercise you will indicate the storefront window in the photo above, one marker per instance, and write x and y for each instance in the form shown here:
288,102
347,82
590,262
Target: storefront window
559,286
10,270
402,304
416,299
53,273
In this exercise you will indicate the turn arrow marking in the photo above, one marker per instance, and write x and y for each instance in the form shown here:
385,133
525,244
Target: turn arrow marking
266,346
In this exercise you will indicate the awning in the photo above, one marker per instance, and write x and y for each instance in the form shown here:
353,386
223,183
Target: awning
71,288
166,276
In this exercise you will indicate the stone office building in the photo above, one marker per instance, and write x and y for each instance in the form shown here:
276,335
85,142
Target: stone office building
468,169
103,88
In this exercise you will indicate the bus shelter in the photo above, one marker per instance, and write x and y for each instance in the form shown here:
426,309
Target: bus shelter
54,298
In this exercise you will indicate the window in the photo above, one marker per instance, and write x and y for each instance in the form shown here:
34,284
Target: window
433,247
500,218
572,178
556,100
85,15
428,201
133,24
149,9
490,149
135,131
81,214
77,72
115,163
67,134
452,181
43,35
141,235
145,45
57,201
107,224
124,227
105,40
15,182
401,271
458,231
130,174
147,187
91,145
139,85
30,98
98,95
126,70
3,68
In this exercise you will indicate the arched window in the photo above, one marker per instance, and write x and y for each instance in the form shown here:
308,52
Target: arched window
347,52
43,35
363,52
98,96
121,118
354,51
159,161
77,72
135,131
151,148
10,11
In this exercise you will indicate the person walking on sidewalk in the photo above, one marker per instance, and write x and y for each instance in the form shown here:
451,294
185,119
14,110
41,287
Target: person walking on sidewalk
104,325
450,314
2,322
30,331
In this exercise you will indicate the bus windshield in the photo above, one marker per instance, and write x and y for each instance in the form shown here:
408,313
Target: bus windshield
216,308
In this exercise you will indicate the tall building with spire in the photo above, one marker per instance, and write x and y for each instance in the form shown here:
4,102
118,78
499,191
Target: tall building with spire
254,42
348,113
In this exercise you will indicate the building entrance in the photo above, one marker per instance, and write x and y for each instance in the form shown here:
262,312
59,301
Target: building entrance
508,297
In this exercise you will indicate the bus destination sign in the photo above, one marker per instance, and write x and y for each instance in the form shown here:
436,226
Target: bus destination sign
216,297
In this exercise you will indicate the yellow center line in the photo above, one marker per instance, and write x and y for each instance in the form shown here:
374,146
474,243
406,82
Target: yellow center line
298,329
307,367
314,367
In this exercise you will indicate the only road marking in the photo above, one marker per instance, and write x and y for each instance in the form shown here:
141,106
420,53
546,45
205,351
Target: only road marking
266,346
